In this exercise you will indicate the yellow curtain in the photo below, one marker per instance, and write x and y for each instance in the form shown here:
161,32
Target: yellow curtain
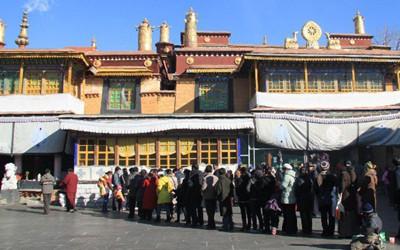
126,147
110,145
167,146
147,146
186,146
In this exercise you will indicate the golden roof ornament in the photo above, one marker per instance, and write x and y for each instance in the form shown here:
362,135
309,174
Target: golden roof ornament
359,24
291,43
311,32
22,40
94,44
332,43
265,40
191,29
2,32
164,32
145,40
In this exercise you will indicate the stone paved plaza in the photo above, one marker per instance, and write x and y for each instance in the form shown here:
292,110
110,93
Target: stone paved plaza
25,227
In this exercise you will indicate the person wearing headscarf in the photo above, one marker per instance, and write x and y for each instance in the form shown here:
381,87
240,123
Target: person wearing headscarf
288,200
368,185
349,224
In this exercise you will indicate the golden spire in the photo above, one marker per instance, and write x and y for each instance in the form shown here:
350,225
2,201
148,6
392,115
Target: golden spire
22,40
164,32
359,24
2,31
191,29
94,45
145,36
265,40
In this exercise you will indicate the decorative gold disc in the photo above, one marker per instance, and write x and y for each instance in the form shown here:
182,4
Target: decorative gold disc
148,62
207,39
238,60
97,63
190,60
311,32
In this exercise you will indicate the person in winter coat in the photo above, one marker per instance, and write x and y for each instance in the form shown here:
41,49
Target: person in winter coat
47,182
164,189
136,187
195,184
132,191
370,229
241,181
348,191
224,192
125,185
288,200
186,197
117,184
150,195
209,196
368,185
70,184
175,183
389,178
105,189
267,187
396,163
304,197
326,182
254,191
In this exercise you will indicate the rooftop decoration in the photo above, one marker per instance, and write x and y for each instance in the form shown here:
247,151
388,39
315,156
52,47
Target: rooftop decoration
359,24
22,40
2,29
311,32
94,45
145,36
291,43
164,32
191,29
332,43
265,40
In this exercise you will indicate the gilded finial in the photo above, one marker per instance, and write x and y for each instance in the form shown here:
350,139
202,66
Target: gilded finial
22,40
359,24
191,29
94,45
164,32
265,40
2,32
145,36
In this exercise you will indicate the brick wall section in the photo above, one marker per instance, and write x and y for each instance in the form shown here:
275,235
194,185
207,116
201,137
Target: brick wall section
185,93
157,103
389,83
150,84
92,95
241,95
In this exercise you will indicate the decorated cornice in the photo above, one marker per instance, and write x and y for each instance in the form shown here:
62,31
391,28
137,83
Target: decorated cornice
215,70
45,55
122,57
132,71
159,93
319,58
209,53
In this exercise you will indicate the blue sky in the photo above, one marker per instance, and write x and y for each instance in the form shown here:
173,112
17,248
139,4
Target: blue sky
61,23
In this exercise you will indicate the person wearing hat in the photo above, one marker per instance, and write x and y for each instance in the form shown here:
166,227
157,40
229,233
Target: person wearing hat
370,229
368,185
288,200
348,191
324,187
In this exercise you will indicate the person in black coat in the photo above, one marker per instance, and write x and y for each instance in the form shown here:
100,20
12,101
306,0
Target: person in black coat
305,201
241,182
184,197
254,197
195,196
267,187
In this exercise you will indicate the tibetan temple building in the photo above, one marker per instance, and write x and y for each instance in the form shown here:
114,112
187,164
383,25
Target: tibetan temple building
204,101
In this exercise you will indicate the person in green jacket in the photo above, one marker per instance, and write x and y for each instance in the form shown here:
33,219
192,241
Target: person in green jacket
164,198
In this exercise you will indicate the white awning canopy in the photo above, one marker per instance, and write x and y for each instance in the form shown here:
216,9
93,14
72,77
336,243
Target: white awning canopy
142,126
41,104
311,101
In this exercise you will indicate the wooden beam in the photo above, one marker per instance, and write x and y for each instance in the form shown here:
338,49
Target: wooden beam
82,87
137,152
198,150
249,84
306,76
219,151
353,76
67,87
398,79
178,153
158,165
21,77
256,75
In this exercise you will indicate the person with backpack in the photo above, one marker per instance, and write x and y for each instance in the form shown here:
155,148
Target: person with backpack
326,182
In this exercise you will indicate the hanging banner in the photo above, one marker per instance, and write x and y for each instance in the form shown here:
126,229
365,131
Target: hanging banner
5,138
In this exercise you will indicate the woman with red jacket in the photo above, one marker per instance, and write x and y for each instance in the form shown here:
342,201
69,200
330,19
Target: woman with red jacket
150,195
70,184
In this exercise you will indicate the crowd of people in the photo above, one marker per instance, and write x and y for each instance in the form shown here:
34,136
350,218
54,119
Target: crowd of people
345,195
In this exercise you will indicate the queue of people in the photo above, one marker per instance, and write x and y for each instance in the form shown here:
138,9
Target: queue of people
263,194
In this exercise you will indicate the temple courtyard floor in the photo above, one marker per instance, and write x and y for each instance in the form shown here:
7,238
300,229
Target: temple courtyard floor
25,227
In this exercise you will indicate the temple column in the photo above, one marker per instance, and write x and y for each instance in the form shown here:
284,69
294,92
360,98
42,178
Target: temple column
18,163
57,166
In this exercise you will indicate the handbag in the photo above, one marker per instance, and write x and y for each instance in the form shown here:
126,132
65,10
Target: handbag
339,211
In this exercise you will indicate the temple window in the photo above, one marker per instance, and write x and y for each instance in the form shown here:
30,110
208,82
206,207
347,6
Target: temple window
209,151
43,83
121,95
228,151
9,83
167,151
33,83
85,154
325,81
188,152
369,81
281,81
106,152
147,152
126,151
213,93
53,83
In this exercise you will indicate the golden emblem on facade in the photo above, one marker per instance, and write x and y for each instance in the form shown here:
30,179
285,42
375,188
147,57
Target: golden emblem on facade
332,43
311,32
148,62
2,29
97,63
238,60
191,29
291,43
190,60
352,42
207,39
